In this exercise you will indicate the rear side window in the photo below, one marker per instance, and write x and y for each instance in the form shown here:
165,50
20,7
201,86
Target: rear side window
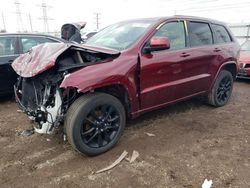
199,34
175,32
8,46
221,34
29,42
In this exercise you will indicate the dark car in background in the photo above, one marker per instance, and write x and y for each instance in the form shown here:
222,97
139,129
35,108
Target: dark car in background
11,46
244,71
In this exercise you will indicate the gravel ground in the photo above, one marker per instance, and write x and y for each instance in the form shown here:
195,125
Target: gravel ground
192,142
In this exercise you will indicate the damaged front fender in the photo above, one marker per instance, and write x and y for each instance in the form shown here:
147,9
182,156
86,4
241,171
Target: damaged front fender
103,75
96,76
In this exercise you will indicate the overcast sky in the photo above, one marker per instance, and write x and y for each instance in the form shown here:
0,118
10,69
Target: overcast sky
61,11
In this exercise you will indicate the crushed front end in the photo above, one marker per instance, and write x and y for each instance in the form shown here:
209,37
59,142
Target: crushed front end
41,99
41,72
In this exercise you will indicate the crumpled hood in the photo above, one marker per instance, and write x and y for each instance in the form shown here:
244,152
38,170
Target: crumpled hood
38,59
42,57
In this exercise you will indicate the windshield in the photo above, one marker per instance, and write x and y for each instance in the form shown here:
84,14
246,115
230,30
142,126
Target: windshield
120,36
246,46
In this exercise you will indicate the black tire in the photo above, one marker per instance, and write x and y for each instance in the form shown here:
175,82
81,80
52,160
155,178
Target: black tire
222,89
94,123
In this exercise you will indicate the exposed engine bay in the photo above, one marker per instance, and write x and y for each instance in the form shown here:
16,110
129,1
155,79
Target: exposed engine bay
41,97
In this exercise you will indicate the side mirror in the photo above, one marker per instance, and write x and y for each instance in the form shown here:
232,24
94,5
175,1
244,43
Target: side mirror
157,44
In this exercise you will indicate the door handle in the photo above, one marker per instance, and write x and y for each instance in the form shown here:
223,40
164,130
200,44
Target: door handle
10,61
217,50
184,54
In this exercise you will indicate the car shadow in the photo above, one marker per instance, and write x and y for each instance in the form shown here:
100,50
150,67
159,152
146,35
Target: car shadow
7,98
175,108
241,80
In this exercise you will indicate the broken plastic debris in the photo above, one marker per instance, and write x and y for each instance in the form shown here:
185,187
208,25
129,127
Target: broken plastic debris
27,132
150,134
134,156
207,184
122,156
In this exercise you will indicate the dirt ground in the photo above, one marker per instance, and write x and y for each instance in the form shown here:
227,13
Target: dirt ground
192,142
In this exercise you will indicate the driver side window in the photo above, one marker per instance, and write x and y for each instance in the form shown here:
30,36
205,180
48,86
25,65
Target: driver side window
175,32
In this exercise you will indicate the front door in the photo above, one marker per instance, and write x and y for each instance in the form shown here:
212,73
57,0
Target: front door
160,69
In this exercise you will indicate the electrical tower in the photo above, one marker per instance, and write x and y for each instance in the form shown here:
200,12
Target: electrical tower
31,27
45,17
18,13
97,20
3,18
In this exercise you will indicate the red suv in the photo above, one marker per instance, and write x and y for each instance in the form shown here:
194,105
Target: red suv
244,61
126,69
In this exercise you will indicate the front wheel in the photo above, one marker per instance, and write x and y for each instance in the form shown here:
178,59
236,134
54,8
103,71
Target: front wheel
94,123
222,89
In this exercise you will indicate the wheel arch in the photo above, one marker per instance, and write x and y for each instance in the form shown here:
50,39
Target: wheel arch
230,66
117,90
121,93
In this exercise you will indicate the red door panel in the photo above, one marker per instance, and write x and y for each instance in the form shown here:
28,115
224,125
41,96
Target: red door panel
169,75
159,73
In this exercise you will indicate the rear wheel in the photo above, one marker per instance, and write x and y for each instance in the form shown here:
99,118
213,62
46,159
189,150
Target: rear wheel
222,89
94,123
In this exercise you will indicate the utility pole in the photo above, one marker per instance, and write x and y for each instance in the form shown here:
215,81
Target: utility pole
45,17
4,26
19,16
31,27
97,20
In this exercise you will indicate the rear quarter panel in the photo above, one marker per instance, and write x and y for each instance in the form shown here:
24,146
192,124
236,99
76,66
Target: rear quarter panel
229,55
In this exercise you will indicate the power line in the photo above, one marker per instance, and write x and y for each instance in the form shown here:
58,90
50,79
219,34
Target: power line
212,8
3,18
31,26
210,5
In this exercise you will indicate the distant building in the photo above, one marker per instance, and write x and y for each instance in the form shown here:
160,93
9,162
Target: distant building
241,31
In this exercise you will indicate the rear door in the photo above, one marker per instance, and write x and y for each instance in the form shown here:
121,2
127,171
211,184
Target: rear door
225,48
196,76
8,53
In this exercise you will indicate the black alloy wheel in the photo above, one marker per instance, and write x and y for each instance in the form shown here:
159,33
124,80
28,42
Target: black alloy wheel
100,126
222,89
94,123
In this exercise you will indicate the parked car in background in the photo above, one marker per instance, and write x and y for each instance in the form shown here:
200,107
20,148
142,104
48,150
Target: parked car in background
244,71
11,46
123,71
